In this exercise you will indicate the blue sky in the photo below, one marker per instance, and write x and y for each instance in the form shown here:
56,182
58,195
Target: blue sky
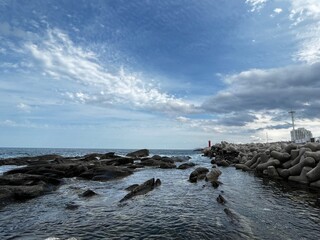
157,74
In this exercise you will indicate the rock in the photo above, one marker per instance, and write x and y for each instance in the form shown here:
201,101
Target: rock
180,158
22,179
215,183
151,162
167,165
147,186
106,173
213,161
87,193
71,206
213,175
302,178
139,153
196,174
186,165
131,187
221,199
117,161
314,174
317,203
156,157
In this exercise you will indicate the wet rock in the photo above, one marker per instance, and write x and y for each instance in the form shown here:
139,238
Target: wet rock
131,187
213,175
71,206
167,165
213,161
196,174
221,199
117,161
106,173
181,158
156,157
186,165
144,188
215,183
87,193
139,153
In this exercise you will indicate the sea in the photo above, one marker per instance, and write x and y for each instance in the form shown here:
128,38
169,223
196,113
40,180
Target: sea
257,208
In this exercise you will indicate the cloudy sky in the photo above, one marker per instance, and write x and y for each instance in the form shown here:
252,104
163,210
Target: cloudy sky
157,74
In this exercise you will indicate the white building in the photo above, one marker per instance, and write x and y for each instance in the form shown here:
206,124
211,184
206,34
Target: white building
301,135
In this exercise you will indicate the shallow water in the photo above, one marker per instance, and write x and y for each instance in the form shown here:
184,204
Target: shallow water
177,209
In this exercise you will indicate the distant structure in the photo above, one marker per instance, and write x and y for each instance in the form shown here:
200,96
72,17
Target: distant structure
301,135
293,137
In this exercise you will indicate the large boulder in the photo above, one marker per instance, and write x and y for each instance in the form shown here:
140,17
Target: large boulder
139,153
186,165
198,173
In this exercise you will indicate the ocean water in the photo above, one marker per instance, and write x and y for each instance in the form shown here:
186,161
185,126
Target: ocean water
178,209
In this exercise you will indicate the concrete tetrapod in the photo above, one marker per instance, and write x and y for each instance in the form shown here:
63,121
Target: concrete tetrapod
315,155
314,174
270,162
282,157
302,178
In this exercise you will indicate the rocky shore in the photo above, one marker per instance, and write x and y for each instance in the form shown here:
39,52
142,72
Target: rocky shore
280,161
43,174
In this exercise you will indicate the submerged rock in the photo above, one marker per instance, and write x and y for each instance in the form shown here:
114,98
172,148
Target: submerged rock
87,193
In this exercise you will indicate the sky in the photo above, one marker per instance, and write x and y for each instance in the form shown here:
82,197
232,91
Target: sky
157,74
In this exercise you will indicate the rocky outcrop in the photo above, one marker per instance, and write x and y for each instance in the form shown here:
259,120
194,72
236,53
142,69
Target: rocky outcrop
186,165
139,153
198,174
141,189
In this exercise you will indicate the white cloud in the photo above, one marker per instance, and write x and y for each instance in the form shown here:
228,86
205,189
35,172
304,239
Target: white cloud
256,5
24,107
61,59
277,10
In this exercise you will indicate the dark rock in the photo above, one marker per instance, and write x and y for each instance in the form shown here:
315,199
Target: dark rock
139,153
87,193
156,157
186,165
131,187
213,161
180,158
108,155
151,162
106,173
145,187
196,174
167,165
71,206
117,161
318,202
215,183
221,199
